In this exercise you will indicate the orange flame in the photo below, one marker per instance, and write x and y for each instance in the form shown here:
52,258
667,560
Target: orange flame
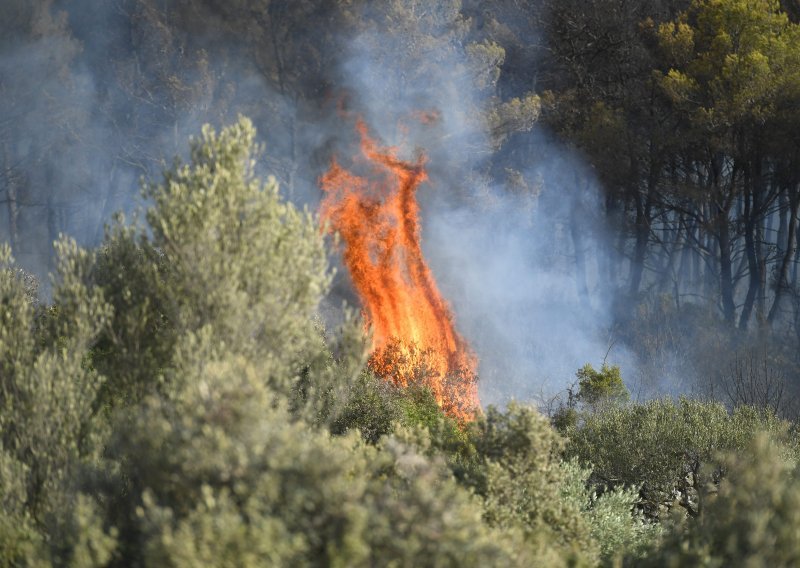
377,217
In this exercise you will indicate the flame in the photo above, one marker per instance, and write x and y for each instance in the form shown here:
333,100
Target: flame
377,217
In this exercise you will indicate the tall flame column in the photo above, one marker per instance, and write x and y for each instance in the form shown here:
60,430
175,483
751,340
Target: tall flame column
377,217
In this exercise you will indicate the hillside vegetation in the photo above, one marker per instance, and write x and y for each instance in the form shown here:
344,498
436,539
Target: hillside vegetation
178,403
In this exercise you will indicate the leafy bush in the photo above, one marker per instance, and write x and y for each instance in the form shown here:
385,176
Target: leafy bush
179,403
528,486
512,460
613,520
221,249
224,443
596,390
136,348
661,445
523,480
219,473
19,540
371,408
752,521
603,386
47,391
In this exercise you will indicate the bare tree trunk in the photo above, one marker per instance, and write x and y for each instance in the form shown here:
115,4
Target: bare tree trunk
752,259
107,204
644,206
11,200
783,221
725,272
13,215
575,221
789,252
293,166
711,268
763,228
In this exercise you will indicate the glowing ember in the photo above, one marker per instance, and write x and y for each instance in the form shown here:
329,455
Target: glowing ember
377,216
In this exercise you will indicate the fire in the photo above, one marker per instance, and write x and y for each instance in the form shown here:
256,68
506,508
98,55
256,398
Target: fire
377,216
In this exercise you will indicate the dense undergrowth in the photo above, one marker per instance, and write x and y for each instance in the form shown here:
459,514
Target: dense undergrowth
177,403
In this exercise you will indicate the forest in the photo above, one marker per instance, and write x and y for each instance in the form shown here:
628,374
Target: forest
401,283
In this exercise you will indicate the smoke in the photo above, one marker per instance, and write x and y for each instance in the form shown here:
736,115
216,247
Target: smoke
511,268
96,98
504,257
518,251
41,117
67,161
509,271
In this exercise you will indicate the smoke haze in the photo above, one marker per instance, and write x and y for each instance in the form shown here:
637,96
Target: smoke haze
92,104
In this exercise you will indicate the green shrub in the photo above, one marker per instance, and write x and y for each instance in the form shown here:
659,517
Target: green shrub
332,384
754,519
47,391
372,408
223,442
603,386
661,445
432,521
449,438
136,348
596,390
219,473
239,259
613,520
523,481
512,460
20,542
221,249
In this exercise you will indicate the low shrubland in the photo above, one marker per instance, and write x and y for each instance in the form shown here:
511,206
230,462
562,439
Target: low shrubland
178,403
